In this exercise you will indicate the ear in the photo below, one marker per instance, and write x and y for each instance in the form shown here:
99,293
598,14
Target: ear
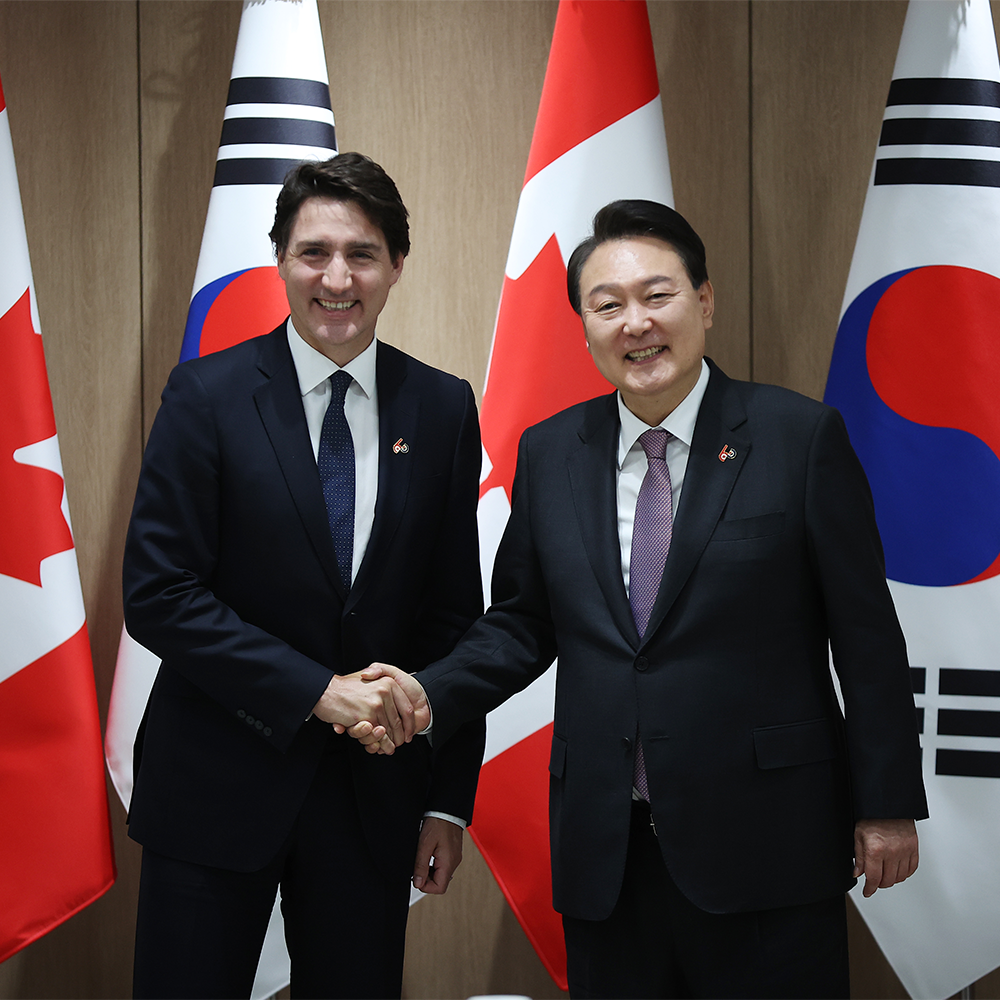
706,297
281,259
397,269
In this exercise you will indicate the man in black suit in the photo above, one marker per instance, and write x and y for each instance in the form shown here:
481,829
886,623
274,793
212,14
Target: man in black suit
710,804
307,504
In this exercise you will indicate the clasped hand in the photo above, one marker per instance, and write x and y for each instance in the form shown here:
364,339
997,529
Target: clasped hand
381,706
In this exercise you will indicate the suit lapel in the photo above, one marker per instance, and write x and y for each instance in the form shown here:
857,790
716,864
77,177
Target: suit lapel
279,403
592,477
708,482
398,413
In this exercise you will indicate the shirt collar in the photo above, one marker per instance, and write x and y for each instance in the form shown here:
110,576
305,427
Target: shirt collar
314,368
680,421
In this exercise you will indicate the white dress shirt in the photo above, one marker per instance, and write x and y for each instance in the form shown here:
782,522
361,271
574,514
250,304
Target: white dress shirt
632,463
361,410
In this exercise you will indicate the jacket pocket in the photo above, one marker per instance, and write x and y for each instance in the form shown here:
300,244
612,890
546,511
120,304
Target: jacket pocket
795,743
557,759
750,527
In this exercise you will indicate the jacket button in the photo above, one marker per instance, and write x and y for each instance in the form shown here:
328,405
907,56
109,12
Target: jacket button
241,713
641,663
267,730
250,720
258,724
626,744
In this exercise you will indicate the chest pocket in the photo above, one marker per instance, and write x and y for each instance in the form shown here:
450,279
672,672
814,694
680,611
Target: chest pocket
759,526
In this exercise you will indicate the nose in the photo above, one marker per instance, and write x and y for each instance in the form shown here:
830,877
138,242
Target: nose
637,319
337,276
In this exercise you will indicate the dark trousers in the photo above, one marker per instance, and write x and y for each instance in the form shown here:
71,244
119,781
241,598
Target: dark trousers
656,943
199,930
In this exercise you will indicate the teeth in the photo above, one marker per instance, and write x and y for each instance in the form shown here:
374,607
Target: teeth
647,353
335,306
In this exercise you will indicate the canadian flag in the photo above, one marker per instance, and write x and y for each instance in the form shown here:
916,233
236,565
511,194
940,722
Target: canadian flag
598,137
56,854
278,113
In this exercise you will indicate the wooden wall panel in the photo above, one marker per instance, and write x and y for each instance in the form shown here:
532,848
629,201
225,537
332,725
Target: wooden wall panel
69,76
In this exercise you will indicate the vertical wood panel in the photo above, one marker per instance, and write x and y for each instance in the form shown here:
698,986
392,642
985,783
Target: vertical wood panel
69,75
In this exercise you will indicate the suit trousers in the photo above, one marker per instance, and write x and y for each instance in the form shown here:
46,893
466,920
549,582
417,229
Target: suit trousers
656,943
199,929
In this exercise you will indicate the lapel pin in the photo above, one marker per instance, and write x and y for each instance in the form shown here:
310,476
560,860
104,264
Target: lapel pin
727,452
400,447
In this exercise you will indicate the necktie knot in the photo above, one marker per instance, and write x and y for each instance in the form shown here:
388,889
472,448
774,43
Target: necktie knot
340,382
654,443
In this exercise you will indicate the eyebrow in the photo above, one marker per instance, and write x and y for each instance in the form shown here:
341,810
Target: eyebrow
326,244
611,286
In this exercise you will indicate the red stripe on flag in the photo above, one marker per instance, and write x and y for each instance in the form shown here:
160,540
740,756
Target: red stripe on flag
539,365
612,41
56,853
515,842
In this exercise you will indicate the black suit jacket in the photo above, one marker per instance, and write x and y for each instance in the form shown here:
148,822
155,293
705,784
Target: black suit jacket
230,577
755,779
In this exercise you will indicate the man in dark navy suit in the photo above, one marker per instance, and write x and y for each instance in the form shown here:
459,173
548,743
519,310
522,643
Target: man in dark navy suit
692,548
307,504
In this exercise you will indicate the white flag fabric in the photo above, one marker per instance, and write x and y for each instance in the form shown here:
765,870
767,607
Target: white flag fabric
915,372
598,137
278,113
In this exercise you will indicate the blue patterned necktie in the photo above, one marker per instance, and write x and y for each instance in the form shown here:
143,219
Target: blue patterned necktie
651,534
336,473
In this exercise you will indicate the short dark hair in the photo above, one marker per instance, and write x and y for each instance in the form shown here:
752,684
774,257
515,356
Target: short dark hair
625,219
351,177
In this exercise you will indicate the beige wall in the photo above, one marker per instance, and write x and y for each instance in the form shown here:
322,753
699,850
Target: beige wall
772,111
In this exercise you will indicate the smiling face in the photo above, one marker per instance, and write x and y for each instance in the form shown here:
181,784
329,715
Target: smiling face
645,323
337,272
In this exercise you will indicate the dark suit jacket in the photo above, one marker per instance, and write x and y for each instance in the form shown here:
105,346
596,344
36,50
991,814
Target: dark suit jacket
230,577
754,777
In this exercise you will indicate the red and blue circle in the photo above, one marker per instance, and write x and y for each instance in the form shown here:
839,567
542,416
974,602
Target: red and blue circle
232,309
916,374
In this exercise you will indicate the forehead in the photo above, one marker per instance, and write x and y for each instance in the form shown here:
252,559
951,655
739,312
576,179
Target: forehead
626,261
332,220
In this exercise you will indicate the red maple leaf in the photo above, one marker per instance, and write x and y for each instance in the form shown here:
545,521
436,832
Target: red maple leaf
32,525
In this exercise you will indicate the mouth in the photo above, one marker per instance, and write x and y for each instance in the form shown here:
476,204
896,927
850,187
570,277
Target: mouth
645,353
330,306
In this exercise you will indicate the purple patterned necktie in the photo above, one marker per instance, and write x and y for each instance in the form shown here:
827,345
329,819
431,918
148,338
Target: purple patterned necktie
651,533
336,472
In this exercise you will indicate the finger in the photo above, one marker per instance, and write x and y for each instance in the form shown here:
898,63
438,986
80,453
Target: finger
395,728
405,709
873,877
422,866
339,729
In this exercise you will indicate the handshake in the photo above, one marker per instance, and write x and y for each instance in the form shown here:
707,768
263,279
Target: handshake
382,707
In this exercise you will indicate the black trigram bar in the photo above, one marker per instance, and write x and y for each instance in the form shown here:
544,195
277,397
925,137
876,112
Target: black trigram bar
984,683
285,131
918,679
982,93
920,720
939,132
970,763
278,90
968,722
921,170
252,171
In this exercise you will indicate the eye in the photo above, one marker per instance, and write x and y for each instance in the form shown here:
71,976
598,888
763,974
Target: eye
606,307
